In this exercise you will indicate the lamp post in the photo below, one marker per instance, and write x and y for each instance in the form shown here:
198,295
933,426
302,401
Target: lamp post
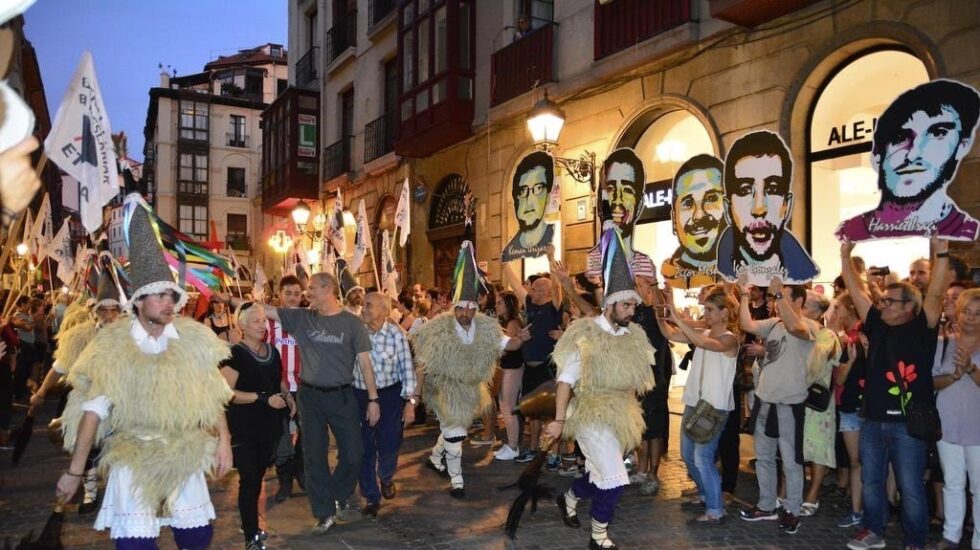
545,122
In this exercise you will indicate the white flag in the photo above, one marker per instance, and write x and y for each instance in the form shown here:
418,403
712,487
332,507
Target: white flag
43,229
328,259
362,239
337,236
258,283
28,229
403,215
80,143
389,277
60,251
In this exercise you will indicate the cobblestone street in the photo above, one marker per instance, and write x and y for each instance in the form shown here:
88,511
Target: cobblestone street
424,516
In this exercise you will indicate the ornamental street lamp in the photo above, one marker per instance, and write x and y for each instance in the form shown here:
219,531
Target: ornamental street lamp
281,242
301,217
545,122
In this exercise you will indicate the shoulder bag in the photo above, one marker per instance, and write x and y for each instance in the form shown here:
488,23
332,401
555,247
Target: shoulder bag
705,421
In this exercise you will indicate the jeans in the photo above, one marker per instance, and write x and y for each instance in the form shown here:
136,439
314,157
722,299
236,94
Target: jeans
960,462
700,461
765,452
889,442
381,442
337,410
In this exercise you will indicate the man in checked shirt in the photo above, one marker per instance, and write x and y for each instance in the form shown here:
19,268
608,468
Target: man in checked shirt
394,374
289,459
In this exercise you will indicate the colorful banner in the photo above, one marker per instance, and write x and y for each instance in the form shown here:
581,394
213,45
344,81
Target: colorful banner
758,185
919,142
532,185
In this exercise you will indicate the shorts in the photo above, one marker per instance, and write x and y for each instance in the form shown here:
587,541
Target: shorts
850,422
535,376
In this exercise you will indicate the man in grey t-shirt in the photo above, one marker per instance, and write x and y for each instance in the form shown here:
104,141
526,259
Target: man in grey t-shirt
331,342
780,392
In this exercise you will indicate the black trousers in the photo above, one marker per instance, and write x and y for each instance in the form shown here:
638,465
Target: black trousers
728,445
252,458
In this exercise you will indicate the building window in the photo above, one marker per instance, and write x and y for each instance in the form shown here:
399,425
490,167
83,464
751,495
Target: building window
236,182
194,120
193,220
237,237
241,83
193,173
236,134
540,12
841,178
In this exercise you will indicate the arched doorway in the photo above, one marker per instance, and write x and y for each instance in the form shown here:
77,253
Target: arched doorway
841,181
664,139
447,216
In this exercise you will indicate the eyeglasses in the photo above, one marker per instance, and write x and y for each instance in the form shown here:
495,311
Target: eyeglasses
537,189
889,302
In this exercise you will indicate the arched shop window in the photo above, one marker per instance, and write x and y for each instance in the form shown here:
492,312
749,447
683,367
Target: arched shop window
842,180
663,146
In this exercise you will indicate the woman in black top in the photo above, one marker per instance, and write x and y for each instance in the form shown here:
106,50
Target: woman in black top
512,364
218,321
255,416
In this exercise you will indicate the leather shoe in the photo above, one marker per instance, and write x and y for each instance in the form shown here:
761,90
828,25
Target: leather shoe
87,507
371,509
388,490
283,493
570,520
457,492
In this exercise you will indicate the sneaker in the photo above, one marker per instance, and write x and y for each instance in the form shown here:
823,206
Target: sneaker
569,457
346,513
572,470
554,461
478,440
808,509
789,523
505,452
254,544
650,487
638,478
322,526
527,456
866,539
851,519
755,514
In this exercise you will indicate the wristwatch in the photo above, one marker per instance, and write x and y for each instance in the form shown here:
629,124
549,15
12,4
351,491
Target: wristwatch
413,399
375,400
778,295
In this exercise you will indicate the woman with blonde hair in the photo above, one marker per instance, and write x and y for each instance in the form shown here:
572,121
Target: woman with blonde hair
956,378
710,378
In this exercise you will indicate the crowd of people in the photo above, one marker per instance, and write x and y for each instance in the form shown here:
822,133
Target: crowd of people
823,379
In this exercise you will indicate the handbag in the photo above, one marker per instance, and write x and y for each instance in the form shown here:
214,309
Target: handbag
921,419
705,421
818,397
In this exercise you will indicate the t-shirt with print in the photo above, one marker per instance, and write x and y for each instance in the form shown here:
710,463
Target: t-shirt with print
328,344
908,348
783,367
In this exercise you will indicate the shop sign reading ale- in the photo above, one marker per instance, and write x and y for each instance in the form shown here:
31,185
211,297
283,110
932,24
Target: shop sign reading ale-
859,130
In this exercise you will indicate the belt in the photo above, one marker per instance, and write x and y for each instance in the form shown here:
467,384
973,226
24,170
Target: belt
324,389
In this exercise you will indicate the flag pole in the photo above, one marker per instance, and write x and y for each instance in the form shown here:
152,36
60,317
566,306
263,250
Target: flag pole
374,268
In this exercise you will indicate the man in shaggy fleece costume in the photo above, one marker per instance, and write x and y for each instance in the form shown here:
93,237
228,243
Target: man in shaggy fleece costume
606,360
153,386
457,353
71,342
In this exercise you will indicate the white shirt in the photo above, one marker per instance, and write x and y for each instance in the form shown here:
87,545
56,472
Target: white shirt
573,368
719,373
467,335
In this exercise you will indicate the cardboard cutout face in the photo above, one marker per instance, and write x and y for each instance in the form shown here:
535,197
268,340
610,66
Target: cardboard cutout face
532,183
758,198
919,142
621,192
698,218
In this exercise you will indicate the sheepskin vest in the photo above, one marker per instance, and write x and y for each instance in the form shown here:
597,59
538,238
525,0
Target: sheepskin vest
72,341
614,370
75,314
165,406
457,375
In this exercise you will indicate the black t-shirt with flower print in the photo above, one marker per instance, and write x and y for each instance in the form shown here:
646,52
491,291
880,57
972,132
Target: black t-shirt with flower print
898,354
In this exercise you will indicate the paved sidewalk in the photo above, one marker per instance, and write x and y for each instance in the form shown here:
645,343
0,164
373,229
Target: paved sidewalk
424,516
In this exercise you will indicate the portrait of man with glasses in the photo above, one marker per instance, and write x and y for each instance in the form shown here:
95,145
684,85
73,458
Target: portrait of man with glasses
533,180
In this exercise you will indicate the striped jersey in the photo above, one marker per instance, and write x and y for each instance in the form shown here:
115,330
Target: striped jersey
288,351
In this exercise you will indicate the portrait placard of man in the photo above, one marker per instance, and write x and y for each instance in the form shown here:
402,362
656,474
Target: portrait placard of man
698,217
620,201
919,142
533,180
758,202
